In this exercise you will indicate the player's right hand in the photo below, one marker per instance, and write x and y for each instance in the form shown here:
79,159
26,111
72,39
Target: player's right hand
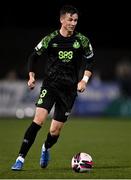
31,83
81,86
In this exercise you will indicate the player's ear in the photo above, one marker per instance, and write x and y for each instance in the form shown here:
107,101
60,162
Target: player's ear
61,19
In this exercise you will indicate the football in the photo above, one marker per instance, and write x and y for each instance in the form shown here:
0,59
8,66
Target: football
82,162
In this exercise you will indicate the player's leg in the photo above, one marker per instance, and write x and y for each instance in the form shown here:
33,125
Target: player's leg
62,111
29,137
51,139
30,134
44,105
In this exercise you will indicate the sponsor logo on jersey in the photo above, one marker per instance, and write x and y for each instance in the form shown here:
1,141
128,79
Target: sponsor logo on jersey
54,45
65,56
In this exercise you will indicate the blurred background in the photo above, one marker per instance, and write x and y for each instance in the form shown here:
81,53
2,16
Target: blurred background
107,24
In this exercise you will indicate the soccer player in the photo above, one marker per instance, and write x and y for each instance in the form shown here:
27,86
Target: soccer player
67,51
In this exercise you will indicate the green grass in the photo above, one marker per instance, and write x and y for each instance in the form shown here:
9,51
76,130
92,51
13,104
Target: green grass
107,140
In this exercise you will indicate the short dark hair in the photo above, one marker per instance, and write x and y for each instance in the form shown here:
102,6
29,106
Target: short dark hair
68,9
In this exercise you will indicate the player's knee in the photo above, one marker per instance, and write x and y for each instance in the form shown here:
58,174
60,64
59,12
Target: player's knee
38,121
55,131
40,116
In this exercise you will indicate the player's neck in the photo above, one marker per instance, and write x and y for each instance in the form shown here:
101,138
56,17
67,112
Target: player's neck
65,33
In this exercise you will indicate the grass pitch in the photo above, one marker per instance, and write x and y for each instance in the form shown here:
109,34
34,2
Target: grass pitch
107,140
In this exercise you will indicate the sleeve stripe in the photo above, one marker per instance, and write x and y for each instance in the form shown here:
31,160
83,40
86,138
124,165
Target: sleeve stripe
91,55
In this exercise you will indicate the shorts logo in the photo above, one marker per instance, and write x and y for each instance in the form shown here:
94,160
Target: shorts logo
67,113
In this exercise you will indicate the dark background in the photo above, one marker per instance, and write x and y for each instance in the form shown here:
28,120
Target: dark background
23,24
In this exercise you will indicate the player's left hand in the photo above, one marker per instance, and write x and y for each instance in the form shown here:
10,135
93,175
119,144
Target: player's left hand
81,86
31,83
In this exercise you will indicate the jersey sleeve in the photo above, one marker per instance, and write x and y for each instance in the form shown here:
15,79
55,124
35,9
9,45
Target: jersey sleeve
42,46
32,60
88,53
87,48
44,43
38,51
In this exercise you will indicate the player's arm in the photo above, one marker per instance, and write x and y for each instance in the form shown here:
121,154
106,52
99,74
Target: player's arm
32,60
86,76
88,68
38,51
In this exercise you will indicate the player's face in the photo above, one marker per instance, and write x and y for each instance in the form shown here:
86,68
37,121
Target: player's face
69,21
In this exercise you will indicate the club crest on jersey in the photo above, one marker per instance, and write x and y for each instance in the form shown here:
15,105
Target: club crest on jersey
76,45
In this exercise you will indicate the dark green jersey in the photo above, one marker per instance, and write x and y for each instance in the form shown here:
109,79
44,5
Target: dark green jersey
65,56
